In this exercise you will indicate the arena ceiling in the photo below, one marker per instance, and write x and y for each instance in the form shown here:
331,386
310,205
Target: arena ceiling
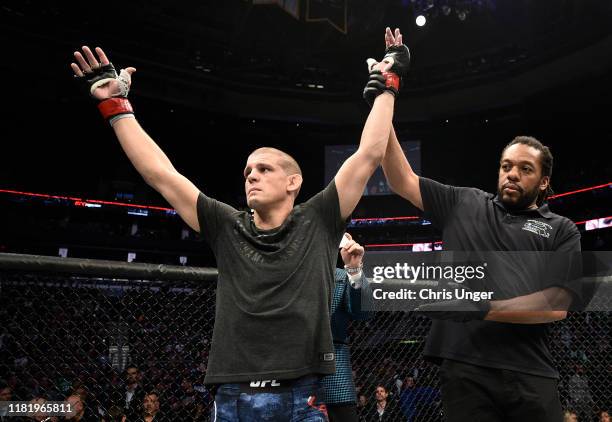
238,55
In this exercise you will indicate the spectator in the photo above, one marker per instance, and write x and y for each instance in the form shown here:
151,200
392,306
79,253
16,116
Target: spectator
579,392
340,393
151,409
79,389
417,400
79,412
40,416
603,416
362,405
134,393
570,416
6,394
384,410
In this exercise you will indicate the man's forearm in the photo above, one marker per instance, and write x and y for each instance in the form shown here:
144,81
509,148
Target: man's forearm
548,305
400,176
395,164
374,136
354,174
146,156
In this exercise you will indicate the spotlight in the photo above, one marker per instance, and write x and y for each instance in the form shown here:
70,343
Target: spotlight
420,20
446,10
462,14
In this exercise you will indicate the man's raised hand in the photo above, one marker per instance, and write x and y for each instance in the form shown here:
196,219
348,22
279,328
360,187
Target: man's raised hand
396,53
386,75
98,75
393,39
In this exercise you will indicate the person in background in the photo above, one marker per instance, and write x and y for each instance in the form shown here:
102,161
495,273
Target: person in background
383,409
340,394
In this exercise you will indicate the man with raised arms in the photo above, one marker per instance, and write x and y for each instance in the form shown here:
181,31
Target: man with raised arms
272,341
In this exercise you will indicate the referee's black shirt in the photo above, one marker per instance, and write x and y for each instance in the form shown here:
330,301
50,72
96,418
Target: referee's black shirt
473,220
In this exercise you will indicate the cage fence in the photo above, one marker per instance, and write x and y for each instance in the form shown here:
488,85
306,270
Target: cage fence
98,328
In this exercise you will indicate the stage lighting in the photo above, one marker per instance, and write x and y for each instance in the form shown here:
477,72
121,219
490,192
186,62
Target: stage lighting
426,11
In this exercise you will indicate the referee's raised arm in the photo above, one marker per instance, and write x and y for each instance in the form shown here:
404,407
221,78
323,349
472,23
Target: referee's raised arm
400,176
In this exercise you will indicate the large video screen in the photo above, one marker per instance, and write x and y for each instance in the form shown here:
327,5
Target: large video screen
335,155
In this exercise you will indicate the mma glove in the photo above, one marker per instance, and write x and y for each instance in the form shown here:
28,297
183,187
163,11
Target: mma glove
117,106
389,80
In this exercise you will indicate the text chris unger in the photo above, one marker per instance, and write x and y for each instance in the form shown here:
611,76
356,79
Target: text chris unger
429,294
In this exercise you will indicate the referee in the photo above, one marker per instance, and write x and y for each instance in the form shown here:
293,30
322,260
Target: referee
495,364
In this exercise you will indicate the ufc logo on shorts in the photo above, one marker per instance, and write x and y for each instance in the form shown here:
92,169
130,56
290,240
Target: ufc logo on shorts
261,384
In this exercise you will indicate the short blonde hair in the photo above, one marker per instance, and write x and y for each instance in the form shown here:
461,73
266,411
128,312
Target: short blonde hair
287,162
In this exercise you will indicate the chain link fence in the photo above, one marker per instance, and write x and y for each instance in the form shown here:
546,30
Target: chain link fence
99,336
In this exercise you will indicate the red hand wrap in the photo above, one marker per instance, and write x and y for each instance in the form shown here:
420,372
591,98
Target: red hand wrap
114,106
392,80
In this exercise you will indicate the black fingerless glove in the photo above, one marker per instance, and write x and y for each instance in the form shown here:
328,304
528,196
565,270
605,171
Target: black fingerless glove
390,80
109,107
97,77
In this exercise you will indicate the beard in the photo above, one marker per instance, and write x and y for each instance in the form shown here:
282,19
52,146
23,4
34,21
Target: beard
523,202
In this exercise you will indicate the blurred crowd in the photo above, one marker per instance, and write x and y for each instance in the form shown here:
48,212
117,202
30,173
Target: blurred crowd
137,351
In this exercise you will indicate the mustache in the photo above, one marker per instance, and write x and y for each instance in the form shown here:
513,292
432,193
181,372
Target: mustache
512,185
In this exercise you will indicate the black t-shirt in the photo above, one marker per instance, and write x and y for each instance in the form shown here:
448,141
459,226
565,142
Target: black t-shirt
274,290
473,220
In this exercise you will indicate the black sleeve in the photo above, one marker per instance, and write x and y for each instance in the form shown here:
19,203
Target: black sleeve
439,200
327,205
566,265
212,214
569,240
